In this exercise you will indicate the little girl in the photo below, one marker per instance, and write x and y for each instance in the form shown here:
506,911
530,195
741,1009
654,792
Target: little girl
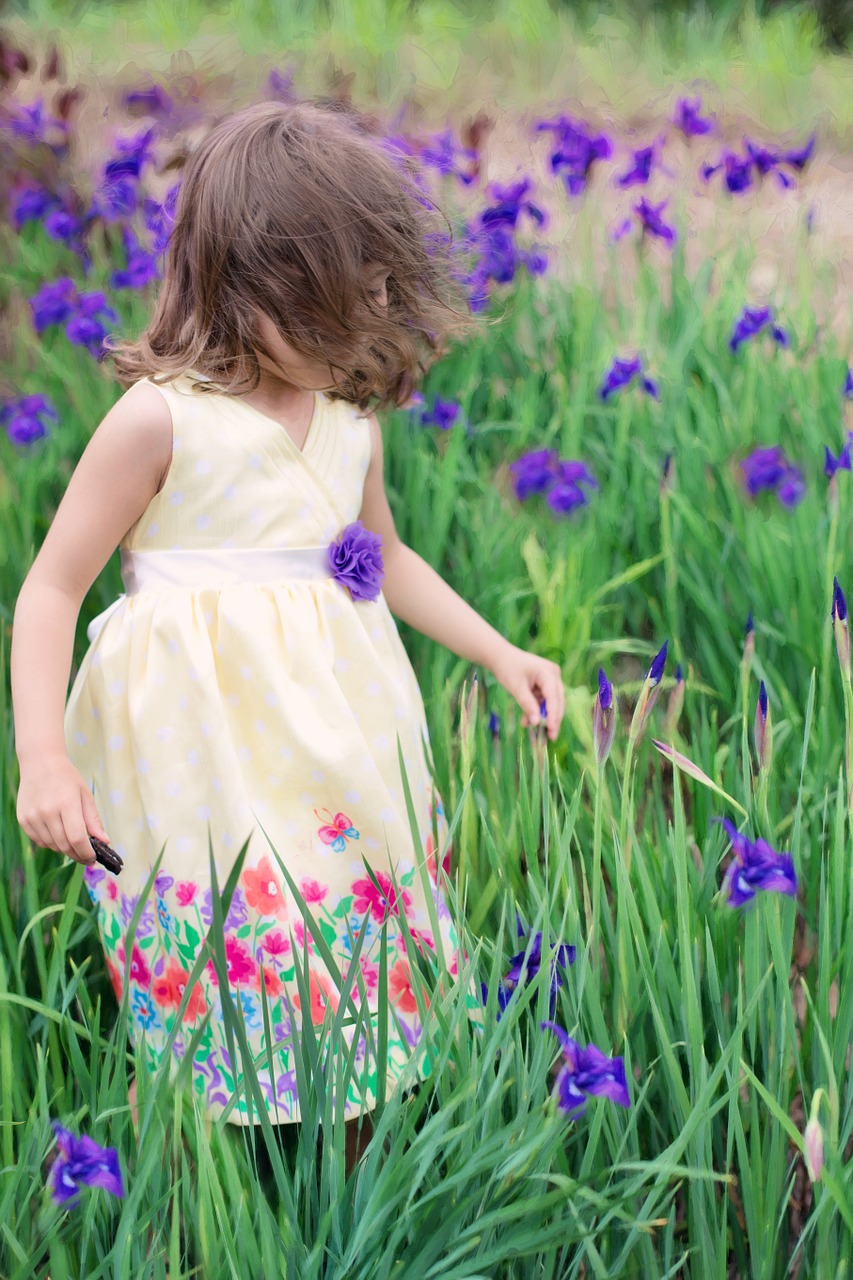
252,673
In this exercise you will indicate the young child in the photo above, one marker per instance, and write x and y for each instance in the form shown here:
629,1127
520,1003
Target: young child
249,674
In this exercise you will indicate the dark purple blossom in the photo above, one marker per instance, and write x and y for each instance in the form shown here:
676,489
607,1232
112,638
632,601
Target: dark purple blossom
80,1161
31,204
356,561
738,172
54,303
651,221
30,121
526,965
160,218
62,225
23,418
847,389
621,373
658,666
565,496
839,604
86,328
443,413
750,322
533,472
755,865
841,629
155,101
574,151
586,1071
641,169
603,719
798,158
687,117
511,202
141,266
494,724
842,462
443,153
768,468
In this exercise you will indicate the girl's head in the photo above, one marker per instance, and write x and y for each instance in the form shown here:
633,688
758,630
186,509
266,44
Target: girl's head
294,220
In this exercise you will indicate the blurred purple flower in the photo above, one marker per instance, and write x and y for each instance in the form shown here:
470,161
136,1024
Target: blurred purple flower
494,724
80,1161
750,322
154,100
31,204
651,222
160,218
510,204
22,418
755,865
603,719
53,304
841,629
280,85
443,153
842,462
533,472
30,121
574,151
141,266
762,729
443,413
526,965
768,468
641,169
799,158
86,328
847,389
566,492
687,117
738,176
586,1071
621,373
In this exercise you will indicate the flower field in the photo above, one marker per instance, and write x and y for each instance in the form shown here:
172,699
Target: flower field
639,467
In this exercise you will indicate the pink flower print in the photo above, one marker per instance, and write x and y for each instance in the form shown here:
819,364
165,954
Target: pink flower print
275,943
420,937
379,904
300,934
139,971
185,892
263,891
242,968
370,972
112,890
312,890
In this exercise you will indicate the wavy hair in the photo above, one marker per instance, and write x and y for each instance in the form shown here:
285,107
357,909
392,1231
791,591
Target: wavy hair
280,209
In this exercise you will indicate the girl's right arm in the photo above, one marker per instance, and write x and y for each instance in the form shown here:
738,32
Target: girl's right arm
122,468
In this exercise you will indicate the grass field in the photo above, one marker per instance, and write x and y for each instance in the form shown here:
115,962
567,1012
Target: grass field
734,1023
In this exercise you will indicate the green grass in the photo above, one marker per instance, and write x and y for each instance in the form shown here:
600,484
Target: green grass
729,1021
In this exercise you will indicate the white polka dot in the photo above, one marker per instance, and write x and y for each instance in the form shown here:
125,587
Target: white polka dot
245,753
227,839
352,796
183,844
142,766
205,729
172,645
80,738
387,815
96,659
203,466
177,443
291,828
342,664
116,742
286,751
229,542
176,498
159,680
217,784
96,713
260,727
306,799
152,530
203,812
138,824
261,807
273,780
116,797
271,699
173,788
193,757
312,691
381,742
207,614
373,688
203,521
257,516
152,822
318,775
370,843
116,687
233,700
165,733
255,461
229,491
304,511
376,633
183,702
246,672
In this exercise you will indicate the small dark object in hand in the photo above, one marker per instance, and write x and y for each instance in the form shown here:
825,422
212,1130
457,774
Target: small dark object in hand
106,856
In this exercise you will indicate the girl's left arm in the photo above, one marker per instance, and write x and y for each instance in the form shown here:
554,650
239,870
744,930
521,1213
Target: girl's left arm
420,597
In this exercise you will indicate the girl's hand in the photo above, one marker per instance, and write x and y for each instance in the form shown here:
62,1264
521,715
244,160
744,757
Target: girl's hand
57,810
531,679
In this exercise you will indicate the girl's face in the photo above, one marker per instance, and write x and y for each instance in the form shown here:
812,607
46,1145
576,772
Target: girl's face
297,371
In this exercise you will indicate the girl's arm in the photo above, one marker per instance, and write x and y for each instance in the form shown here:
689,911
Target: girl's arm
115,480
417,595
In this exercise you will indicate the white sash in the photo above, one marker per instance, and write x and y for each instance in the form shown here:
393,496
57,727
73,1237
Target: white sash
213,567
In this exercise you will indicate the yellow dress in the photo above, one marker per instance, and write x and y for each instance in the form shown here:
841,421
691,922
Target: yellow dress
238,685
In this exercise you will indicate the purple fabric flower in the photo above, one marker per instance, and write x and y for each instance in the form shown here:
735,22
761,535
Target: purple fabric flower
81,1161
756,866
621,373
237,912
356,561
750,322
586,1071
24,418
687,117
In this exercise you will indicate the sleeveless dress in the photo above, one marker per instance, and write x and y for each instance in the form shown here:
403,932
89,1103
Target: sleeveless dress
237,685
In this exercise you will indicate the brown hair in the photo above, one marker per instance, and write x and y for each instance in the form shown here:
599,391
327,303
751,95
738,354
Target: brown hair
280,209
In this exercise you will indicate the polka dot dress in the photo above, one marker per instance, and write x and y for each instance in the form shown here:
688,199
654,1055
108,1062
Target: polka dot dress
202,713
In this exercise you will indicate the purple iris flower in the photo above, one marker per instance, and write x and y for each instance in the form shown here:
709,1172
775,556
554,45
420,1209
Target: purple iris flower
839,604
31,204
574,152
356,561
116,199
141,266
31,122
154,100
526,965
494,724
81,1161
621,373
533,472
842,462
62,225
768,468
756,866
651,222
799,158
847,389
85,328
750,322
566,493
443,152
23,418
160,218
639,173
603,719
586,1071
738,171
54,303
510,204
130,155
443,414
658,666
687,117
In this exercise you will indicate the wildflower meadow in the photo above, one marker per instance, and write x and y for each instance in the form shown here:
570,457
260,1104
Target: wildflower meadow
639,467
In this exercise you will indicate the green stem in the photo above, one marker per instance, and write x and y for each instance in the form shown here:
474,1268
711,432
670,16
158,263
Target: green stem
829,574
